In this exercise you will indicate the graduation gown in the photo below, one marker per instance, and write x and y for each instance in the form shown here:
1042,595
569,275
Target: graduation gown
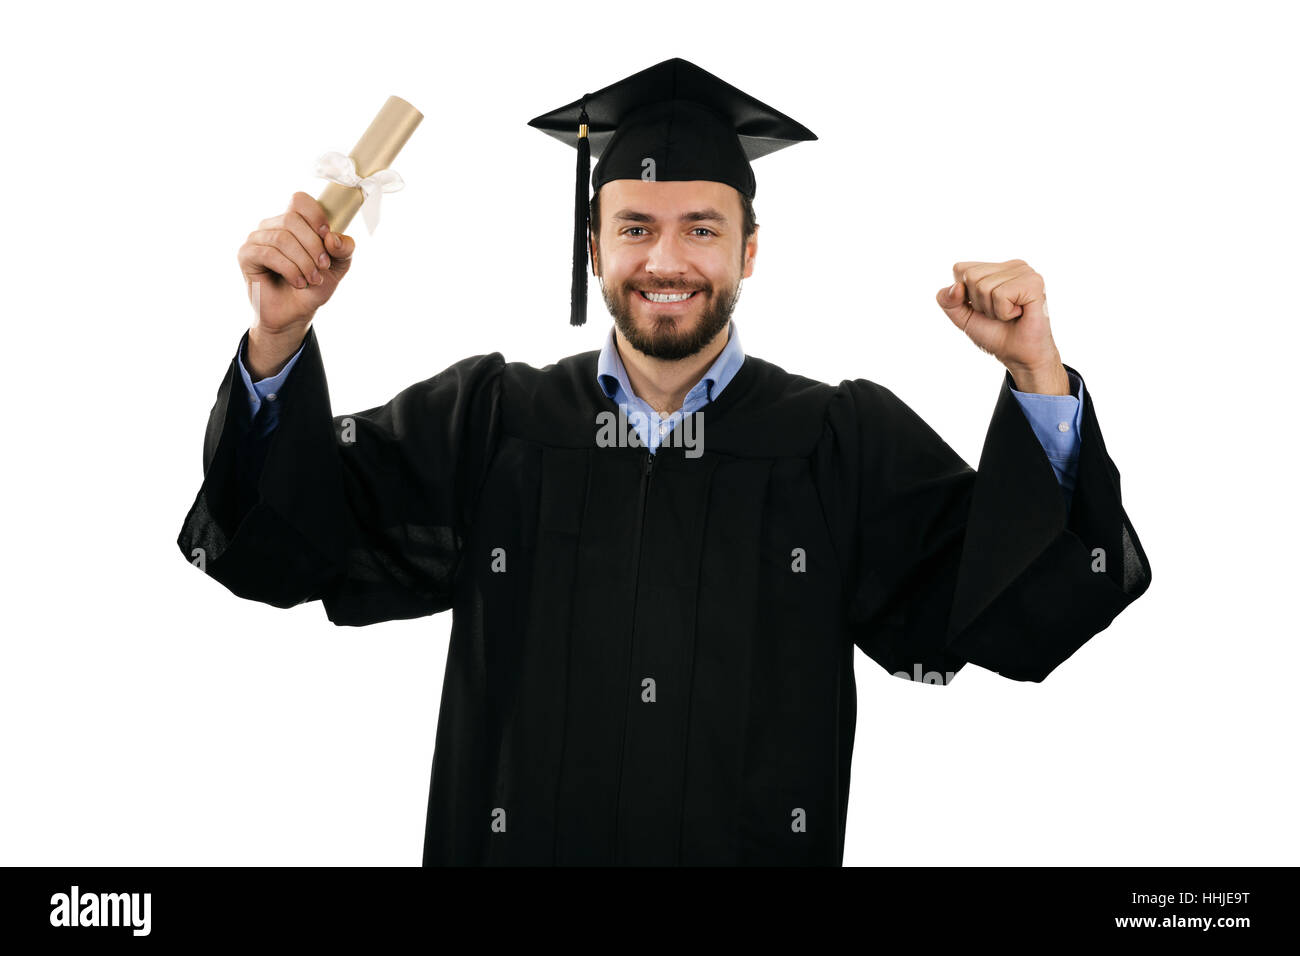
651,657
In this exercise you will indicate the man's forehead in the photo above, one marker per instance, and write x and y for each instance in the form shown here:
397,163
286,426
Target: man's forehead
668,197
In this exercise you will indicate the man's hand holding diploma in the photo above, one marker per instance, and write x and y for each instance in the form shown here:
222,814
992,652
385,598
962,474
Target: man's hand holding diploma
292,263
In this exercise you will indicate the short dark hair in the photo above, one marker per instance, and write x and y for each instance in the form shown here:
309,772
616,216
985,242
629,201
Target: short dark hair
748,223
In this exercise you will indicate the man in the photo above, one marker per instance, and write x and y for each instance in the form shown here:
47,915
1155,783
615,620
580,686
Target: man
660,556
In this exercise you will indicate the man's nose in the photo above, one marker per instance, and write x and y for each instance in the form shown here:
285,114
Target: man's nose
666,256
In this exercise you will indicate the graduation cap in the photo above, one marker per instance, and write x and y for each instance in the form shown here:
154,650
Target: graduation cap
689,123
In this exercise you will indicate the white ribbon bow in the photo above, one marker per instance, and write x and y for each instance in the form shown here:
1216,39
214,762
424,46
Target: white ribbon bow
339,168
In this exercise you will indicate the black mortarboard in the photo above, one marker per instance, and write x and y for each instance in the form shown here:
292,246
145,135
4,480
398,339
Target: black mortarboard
689,122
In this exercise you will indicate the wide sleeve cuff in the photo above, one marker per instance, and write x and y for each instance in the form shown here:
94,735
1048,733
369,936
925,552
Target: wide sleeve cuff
364,512
1036,579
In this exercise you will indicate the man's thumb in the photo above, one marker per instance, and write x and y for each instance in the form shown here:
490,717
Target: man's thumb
952,296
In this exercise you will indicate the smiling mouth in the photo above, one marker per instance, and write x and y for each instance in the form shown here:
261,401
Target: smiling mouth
666,298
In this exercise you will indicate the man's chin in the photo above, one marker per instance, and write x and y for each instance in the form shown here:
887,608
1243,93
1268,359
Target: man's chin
666,327
663,335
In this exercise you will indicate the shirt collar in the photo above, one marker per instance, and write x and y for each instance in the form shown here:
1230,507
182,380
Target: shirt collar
612,375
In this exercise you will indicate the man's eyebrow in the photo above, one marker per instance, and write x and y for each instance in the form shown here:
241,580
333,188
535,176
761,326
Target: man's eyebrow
695,215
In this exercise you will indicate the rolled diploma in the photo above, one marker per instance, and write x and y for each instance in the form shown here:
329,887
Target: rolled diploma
375,150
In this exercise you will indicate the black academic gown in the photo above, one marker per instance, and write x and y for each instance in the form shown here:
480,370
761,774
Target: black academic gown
651,657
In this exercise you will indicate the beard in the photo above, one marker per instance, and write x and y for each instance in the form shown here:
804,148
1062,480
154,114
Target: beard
664,339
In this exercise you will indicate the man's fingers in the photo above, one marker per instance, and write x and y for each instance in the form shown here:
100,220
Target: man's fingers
971,272
1005,300
983,279
269,258
309,237
969,275
1012,292
310,210
338,246
286,240
985,332
306,216
955,300
298,245
995,295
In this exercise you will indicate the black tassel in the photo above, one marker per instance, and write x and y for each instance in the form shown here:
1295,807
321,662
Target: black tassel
581,211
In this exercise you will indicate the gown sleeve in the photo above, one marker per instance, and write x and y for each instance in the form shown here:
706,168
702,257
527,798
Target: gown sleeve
944,565
364,512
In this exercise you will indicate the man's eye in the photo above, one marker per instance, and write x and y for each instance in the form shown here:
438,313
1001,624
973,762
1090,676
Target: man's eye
704,229
632,228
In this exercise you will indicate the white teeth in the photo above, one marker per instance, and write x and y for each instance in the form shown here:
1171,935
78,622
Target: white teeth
658,297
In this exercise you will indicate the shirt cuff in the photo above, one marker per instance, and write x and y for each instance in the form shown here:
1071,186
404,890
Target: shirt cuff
1055,419
266,389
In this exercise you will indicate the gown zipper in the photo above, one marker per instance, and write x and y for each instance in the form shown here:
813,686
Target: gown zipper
647,473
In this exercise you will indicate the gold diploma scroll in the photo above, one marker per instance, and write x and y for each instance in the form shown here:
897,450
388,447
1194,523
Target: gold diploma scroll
375,150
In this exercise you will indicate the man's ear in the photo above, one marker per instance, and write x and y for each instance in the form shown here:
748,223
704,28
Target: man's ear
595,252
750,250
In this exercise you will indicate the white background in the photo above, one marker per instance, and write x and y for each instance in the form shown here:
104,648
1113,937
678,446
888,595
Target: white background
1139,156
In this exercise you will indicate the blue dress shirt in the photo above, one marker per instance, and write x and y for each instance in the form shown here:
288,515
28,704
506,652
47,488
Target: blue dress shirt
1054,418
